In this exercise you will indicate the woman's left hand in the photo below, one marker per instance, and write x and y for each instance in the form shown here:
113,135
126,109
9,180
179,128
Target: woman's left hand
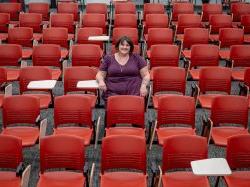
143,91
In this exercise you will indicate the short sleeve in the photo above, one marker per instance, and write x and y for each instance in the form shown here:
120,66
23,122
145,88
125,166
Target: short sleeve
105,63
140,61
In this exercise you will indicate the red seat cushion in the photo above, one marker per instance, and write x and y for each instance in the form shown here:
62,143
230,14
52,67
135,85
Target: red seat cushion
3,36
123,179
247,38
37,36
45,99
238,179
180,37
71,36
165,132
29,135
184,179
221,134
82,132
64,53
224,54
186,53
56,73
8,178
206,100
61,179
125,130
238,74
12,74
27,53
214,37
195,74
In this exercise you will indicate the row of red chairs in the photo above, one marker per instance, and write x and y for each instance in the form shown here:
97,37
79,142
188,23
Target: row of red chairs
237,9
171,109
68,152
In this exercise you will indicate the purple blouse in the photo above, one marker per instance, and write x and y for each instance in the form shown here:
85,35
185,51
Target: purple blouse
122,79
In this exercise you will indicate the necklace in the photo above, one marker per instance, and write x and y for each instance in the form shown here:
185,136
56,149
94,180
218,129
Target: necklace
122,61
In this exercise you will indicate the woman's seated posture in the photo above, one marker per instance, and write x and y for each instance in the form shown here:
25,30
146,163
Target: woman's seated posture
123,73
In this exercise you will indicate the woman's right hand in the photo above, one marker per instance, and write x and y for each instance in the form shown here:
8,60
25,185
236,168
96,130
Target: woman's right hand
102,86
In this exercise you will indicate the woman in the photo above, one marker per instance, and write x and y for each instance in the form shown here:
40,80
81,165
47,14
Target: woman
123,73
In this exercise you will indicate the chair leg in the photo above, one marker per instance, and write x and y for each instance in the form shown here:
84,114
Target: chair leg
217,181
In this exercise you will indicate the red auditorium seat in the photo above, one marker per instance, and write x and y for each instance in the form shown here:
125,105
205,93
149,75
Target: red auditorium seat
177,154
58,152
77,111
117,155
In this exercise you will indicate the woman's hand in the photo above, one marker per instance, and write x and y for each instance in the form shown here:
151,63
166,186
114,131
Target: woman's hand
102,86
143,90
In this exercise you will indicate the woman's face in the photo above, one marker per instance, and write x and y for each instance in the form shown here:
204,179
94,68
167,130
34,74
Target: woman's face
124,47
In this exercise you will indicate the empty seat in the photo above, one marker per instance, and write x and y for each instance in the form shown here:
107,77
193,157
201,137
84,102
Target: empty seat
48,55
84,33
64,20
216,22
69,8
202,55
12,8
74,74
164,55
177,110
57,36
213,82
153,8
77,111
125,20
58,152
24,37
40,8
10,55
33,20
4,25
239,56
156,21
94,20
36,73
117,155
125,109
97,8
158,36
238,10
237,158
193,36
177,154
181,8
209,9
245,23
86,55
12,159
227,38
228,110
186,21
21,109
125,8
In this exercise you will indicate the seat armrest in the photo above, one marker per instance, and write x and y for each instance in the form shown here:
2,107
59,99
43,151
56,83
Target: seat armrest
195,92
207,125
20,169
244,89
